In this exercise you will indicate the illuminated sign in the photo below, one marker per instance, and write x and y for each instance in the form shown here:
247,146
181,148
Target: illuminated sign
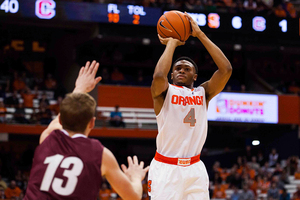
259,24
11,6
45,9
240,107
213,20
236,22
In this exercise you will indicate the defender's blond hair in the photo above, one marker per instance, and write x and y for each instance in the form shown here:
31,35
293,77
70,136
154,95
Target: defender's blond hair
76,111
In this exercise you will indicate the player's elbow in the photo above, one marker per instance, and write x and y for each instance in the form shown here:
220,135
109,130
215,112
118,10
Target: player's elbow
228,69
159,76
134,196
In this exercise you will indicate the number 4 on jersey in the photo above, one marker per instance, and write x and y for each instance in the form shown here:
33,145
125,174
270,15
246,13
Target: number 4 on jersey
190,117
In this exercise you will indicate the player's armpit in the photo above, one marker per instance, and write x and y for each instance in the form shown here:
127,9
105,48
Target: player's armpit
117,179
54,125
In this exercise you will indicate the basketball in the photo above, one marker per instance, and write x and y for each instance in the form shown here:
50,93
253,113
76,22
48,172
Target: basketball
174,24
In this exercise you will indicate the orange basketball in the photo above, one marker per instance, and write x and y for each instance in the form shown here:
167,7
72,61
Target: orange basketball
174,24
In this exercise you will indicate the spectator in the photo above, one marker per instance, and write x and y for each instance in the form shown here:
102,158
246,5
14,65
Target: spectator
254,165
219,192
116,118
291,12
260,158
250,5
117,76
2,193
44,101
105,76
246,193
296,195
217,178
28,98
56,107
210,7
189,5
284,195
2,113
273,192
19,115
13,100
235,195
266,169
278,170
50,82
104,193
199,6
264,185
297,174
19,180
248,153
273,158
279,11
44,115
18,84
3,183
279,183
13,190
172,5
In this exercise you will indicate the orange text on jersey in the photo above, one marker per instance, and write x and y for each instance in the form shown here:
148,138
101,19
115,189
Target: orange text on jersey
181,100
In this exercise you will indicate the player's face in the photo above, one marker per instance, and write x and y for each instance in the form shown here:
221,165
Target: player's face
184,73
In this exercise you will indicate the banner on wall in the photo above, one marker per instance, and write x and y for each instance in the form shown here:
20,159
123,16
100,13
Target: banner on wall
239,107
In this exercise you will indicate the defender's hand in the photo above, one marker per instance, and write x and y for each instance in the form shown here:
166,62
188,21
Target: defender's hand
135,170
196,31
86,80
165,41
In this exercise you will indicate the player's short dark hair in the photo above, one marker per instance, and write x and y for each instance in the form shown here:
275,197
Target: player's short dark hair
187,59
76,111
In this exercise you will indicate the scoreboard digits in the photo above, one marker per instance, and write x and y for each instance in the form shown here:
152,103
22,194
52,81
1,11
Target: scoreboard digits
114,13
11,6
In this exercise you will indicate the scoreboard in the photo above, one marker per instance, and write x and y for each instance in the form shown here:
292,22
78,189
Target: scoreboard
138,15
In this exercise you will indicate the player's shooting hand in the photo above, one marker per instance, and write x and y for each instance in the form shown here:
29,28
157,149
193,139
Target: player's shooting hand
135,170
165,41
86,80
196,31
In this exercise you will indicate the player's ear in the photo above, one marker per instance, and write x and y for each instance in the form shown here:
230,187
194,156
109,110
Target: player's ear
92,123
171,76
59,119
195,77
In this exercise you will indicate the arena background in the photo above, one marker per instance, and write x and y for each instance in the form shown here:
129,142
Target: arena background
42,49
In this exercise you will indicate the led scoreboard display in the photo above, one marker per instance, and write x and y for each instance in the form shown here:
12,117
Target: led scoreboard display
76,11
138,15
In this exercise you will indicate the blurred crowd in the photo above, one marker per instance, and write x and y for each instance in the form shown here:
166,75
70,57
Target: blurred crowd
254,175
29,100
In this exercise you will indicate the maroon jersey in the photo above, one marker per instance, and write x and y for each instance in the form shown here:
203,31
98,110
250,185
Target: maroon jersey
65,167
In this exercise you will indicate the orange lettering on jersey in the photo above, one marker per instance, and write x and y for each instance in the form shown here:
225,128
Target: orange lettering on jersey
192,100
174,99
149,185
180,100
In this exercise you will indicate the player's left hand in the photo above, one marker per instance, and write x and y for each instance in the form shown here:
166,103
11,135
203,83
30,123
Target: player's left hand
196,31
86,80
135,170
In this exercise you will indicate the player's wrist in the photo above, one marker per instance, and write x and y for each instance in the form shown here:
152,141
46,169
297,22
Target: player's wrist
79,90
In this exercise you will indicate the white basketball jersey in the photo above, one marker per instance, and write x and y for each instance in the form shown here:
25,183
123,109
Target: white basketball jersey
182,122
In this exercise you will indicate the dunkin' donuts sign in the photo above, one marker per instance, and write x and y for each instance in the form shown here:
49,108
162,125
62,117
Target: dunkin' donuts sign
240,107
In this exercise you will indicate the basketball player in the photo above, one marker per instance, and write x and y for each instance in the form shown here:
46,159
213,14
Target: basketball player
176,172
69,165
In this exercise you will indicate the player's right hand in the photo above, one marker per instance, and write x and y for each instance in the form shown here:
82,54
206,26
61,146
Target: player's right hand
165,41
135,170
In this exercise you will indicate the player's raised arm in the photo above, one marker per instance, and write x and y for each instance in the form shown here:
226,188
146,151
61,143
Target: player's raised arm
163,66
85,82
219,79
128,183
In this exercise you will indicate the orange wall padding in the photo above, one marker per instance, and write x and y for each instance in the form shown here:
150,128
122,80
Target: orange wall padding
288,109
125,96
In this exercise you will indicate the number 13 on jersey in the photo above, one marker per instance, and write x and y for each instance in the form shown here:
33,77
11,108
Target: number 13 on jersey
190,117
